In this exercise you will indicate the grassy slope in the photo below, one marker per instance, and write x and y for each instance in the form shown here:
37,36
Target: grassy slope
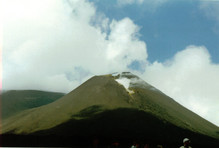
15,101
151,100
105,92
96,91
167,109
123,125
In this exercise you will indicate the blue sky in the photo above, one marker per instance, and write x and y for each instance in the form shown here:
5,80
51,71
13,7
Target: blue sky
56,45
169,27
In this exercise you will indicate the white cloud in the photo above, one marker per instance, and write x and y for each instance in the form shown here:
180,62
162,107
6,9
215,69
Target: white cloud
191,79
1,34
123,45
56,48
60,42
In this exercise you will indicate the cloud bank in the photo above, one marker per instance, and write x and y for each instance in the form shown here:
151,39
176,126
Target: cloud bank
56,45
45,49
191,79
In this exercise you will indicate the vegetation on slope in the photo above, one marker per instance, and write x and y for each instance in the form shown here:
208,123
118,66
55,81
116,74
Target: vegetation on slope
15,101
102,103
122,125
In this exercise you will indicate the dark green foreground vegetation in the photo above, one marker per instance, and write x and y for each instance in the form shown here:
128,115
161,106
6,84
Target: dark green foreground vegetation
120,125
103,111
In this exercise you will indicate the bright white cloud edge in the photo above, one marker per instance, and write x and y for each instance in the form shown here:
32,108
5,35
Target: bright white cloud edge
57,50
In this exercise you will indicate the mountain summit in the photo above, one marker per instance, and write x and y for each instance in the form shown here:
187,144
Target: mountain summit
118,105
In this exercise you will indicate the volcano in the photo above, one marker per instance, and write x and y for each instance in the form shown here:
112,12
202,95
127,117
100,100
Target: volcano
116,107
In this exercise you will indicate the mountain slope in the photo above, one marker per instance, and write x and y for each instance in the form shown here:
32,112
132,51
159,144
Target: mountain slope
15,101
100,90
108,101
125,124
151,100
122,125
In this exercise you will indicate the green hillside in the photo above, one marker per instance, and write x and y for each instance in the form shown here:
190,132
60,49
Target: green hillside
15,101
169,110
99,90
127,124
103,103
122,125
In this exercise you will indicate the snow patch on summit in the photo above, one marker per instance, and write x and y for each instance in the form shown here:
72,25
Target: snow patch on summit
123,80
128,80
126,83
